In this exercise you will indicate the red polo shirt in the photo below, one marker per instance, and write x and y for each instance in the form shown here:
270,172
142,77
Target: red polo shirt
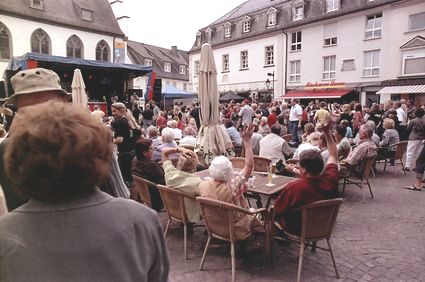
305,191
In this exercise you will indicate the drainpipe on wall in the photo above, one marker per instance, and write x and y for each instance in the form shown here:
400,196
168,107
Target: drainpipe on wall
286,61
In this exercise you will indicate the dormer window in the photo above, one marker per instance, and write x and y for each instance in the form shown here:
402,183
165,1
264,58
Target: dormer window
148,62
37,4
298,13
182,69
87,15
332,5
167,67
209,34
271,17
246,24
227,30
198,38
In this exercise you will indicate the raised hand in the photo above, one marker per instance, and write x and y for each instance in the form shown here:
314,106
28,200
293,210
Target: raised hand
247,134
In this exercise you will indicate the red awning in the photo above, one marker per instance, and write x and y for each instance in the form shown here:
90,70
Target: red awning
317,93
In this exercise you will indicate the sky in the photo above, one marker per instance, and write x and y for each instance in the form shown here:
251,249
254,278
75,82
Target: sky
167,23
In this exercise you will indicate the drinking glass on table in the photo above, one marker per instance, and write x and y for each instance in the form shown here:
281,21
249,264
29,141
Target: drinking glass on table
269,178
273,168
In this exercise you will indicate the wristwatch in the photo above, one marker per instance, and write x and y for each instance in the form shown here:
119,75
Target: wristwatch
177,151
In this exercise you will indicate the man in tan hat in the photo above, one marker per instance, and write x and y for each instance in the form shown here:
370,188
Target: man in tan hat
33,86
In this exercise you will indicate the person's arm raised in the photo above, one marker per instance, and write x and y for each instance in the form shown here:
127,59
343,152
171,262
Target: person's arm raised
249,156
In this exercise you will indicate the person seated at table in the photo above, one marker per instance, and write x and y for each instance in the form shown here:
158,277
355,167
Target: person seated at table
274,147
343,144
355,162
225,186
375,138
145,167
349,133
173,125
308,129
233,132
313,142
188,138
167,135
389,137
318,181
263,127
153,136
182,178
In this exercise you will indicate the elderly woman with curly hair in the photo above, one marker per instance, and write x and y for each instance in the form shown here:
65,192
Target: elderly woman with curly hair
225,186
57,156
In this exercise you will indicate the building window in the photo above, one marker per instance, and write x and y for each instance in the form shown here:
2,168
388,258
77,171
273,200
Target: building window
40,42
198,38
348,65
37,4
167,67
296,41
373,26
182,69
209,34
5,42
330,34
371,63
329,67
87,15
102,51
246,24
74,47
417,21
148,62
244,60
414,63
332,5
227,30
269,56
295,71
271,17
226,63
196,68
298,13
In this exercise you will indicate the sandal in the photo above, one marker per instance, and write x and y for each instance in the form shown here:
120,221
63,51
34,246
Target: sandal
414,188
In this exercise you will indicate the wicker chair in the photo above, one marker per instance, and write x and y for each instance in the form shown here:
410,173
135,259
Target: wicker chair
351,178
261,164
318,221
140,191
399,152
176,210
237,162
219,219
287,137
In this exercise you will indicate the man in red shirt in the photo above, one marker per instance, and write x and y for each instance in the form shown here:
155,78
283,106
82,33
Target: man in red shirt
313,185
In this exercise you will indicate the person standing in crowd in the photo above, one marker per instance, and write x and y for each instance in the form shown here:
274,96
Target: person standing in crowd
402,118
358,118
194,113
161,120
295,120
420,168
272,118
123,140
98,113
147,116
416,132
86,235
322,115
318,181
246,113
346,115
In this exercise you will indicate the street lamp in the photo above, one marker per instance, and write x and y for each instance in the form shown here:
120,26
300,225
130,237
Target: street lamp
268,82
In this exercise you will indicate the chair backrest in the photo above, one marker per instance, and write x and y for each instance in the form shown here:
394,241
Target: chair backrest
287,137
218,217
368,166
142,187
174,202
318,219
237,162
261,164
400,149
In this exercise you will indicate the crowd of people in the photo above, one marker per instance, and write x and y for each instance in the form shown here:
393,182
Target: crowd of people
57,155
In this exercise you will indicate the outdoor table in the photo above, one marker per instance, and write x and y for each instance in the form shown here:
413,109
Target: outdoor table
260,187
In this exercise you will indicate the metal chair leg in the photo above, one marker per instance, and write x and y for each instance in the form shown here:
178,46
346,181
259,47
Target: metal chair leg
333,259
370,189
166,228
300,262
402,166
313,246
185,240
232,254
205,252
363,191
385,164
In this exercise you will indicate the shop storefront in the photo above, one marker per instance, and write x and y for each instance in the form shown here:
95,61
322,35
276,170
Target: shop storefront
409,89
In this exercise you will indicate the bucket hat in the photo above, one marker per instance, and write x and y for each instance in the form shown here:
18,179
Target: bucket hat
34,81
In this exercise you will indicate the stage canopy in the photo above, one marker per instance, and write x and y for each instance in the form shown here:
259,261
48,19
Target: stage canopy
171,92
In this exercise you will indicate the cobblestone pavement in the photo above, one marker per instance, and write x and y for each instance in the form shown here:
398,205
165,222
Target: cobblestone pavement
380,240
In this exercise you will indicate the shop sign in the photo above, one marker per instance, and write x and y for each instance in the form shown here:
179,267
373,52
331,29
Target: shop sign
321,85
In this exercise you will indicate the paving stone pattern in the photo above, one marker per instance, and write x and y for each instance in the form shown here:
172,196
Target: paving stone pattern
380,240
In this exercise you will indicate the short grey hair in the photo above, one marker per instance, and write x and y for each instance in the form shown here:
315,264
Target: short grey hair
152,131
172,123
167,135
368,129
189,131
371,123
221,169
